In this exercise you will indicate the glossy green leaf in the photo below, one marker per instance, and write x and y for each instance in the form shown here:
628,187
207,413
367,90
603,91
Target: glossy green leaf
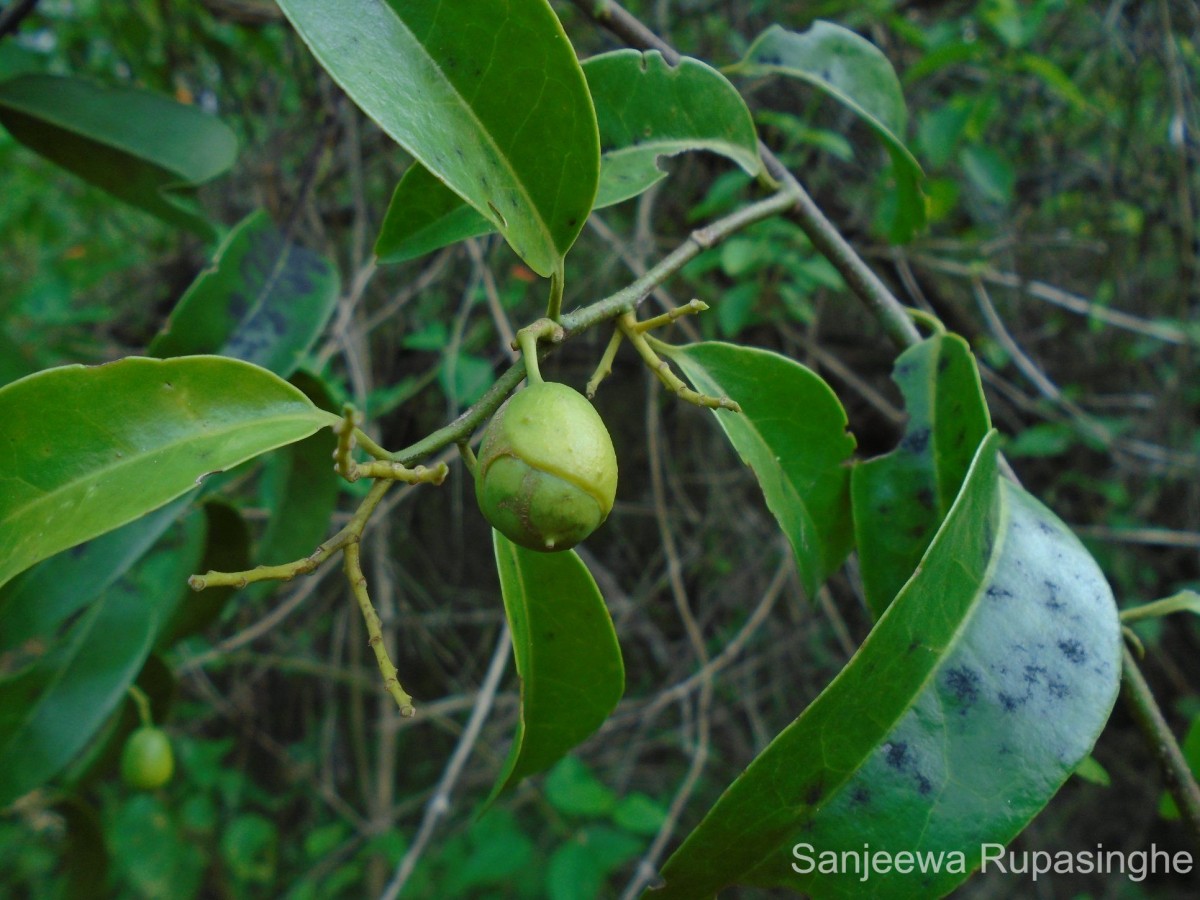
792,433
423,216
85,450
853,71
263,299
972,700
38,601
51,709
143,148
645,109
900,499
488,96
566,654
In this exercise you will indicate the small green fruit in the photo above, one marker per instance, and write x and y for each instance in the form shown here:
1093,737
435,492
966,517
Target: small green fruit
547,472
147,762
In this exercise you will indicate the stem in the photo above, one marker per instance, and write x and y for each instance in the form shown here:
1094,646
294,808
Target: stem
604,367
142,702
895,320
624,300
287,571
527,341
1180,781
558,280
439,804
691,308
660,367
859,277
358,584
468,457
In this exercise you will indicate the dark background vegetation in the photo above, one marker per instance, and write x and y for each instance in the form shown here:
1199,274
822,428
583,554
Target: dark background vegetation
1060,142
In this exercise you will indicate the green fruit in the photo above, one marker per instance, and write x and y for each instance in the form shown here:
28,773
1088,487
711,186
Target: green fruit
147,761
547,471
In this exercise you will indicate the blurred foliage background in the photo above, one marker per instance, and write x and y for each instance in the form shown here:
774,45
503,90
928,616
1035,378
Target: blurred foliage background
1059,139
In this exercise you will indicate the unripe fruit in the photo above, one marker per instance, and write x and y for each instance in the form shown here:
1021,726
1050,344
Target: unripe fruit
147,762
547,472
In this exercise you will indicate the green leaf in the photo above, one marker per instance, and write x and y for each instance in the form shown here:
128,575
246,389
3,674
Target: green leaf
573,789
573,873
645,109
900,499
142,148
1042,439
499,853
263,299
86,449
36,603
853,71
580,866
248,847
151,852
566,654
1054,78
991,173
488,96
639,814
51,709
968,705
423,216
1091,771
465,378
792,433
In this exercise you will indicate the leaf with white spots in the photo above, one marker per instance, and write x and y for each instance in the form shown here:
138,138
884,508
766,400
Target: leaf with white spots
901,498
972,700
262,298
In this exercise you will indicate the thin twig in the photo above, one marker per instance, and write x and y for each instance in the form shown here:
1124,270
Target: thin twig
439,804
610,307
1155,537
499,317
1180,781
1058,297
859,277
734,646
647,868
